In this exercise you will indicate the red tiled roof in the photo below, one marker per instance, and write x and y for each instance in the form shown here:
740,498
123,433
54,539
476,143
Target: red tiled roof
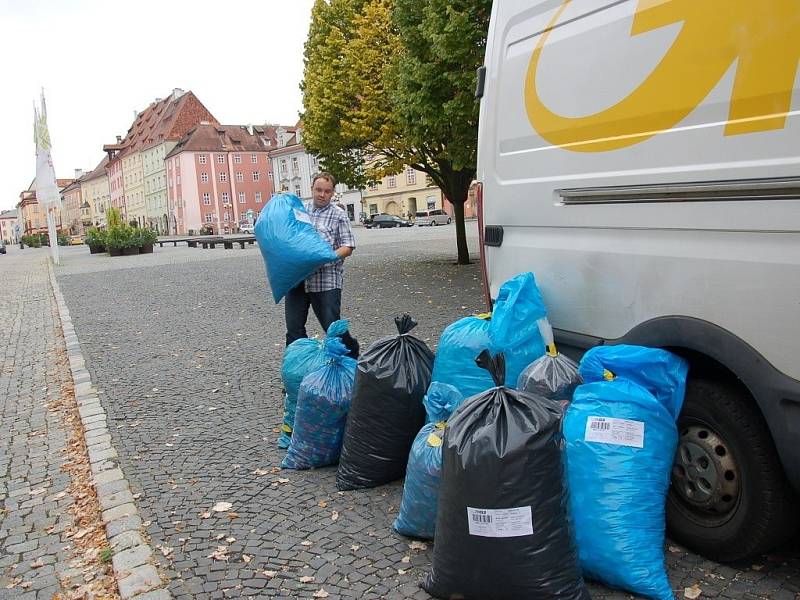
210,137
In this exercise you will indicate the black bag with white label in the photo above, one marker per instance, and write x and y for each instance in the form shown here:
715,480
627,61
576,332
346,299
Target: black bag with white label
502,530
386,412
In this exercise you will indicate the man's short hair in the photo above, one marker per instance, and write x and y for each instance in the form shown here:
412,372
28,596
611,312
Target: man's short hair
324,175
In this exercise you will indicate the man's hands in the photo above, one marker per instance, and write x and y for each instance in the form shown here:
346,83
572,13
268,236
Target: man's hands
344,252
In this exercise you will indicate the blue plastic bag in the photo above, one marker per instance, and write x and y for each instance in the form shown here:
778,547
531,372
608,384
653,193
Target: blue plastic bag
322,406
417,517
290,246
621,438
511,330
301,357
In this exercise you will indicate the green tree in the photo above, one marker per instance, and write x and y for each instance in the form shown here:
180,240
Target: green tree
390,83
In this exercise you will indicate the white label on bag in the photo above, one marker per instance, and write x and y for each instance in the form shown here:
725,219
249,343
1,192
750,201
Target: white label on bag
302,215
500,522
621,432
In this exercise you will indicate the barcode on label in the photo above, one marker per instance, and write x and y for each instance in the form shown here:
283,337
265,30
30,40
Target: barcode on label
482,518
611,430
601,425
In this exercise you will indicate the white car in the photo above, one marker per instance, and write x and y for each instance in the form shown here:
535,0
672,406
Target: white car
247,228
432,218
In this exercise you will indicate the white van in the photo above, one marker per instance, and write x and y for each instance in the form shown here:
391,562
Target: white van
432,218
643,160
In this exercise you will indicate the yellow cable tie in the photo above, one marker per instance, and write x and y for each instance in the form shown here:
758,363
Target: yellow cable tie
285,428
608,375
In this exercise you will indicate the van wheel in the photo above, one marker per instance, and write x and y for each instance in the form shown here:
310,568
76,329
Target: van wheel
433,223
729,498
449,221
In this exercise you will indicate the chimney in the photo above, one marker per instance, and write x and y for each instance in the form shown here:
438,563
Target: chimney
177,92
250,129
78,173
135,114
119,139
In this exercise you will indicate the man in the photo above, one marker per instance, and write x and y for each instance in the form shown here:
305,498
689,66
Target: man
322,290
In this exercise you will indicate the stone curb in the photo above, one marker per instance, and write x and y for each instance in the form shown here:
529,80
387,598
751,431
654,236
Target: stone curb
134,569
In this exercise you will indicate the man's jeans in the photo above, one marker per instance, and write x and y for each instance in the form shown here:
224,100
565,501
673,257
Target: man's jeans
327,306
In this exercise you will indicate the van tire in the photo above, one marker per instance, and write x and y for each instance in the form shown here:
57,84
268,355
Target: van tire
722,416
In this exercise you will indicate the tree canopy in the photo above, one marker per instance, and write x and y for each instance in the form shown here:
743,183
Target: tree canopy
390,83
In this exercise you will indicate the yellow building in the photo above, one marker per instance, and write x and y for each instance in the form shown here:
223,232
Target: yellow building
402,195
31,216
133,175
94,190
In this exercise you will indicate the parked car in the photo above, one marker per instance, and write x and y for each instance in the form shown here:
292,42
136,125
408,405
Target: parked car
2,247
433,218
383,221
75,240
247,228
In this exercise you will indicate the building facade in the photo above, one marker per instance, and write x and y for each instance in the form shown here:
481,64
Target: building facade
95,193
402,195
136,169
218,177
71,200
8,227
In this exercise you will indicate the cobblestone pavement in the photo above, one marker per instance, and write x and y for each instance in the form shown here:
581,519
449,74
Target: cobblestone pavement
34,490
185,347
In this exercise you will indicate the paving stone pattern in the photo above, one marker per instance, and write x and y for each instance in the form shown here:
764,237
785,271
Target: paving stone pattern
34,500
185,350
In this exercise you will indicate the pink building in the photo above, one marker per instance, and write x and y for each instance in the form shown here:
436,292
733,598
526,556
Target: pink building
116,188
219,176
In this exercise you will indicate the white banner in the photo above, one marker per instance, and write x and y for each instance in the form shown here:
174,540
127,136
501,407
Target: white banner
47,193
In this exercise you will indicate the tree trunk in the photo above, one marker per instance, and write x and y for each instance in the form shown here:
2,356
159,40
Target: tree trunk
461,234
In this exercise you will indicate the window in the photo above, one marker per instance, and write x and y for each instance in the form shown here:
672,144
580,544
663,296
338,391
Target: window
284,169
256,175
221,159
297,191
269,175
209,217
411,176
295,165
258,196
226,217
242,198
373,209
254,158
179,179
237,158
239,176
225,197
206,198
203,178
391,181
201,159
223,176
170,181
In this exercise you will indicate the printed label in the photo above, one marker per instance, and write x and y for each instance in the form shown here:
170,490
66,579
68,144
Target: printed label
302,215
500,522
621,432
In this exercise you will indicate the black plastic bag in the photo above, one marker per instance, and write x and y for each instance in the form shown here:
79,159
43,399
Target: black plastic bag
502,530
386,412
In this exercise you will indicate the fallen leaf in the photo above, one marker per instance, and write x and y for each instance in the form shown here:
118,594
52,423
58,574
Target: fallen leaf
246,558
757,567
674,549
306,543
283,480
205,515
322,504
219,536
37,564
165,550
275,470
306,579
401,571
406,559
334,516
418,546
233,515
270,574
230,540
692,592
355,547
321,593
221,553
222,506
260,472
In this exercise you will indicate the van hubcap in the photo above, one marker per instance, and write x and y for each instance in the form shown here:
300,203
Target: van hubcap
705,476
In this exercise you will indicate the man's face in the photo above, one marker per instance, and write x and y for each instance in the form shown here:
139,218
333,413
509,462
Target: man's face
322,192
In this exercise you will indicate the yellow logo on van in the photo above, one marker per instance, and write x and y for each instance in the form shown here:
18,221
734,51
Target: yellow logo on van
762,37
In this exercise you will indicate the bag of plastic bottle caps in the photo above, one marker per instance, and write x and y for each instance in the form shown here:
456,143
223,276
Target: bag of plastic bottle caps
502,530
621,438
291,247
322,406
301,357
417,517
386,413
552,375
511,329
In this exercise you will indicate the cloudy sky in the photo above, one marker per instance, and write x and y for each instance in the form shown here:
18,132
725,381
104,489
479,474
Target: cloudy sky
100,61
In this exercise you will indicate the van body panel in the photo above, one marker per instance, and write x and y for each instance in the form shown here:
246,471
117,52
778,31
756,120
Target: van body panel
587,97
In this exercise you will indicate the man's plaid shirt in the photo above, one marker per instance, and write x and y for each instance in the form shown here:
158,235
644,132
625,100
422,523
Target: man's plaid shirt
334,226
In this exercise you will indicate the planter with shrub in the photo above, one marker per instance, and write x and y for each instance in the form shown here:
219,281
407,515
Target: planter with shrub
96,240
